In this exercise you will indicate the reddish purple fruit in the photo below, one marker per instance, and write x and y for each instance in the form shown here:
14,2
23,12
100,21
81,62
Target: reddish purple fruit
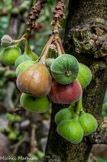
65,94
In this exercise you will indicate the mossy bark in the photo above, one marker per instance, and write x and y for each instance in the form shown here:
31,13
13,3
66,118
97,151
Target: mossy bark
82,12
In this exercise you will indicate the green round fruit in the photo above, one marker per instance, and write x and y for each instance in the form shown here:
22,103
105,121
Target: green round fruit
9,74
6,40
105,97
49,61
105,107
24,65
71,130
2,81
9,55
32,55
21,59
84,76
15,11
24,6
65,69
88,123
35,104
2,70
13,135
63,114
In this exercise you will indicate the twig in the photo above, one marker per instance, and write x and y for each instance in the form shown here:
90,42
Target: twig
34,14
17,145
58,16
33,140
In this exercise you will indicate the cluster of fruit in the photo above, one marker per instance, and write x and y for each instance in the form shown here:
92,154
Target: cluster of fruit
74,127
59,79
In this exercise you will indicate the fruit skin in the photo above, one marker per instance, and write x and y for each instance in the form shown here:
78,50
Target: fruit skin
65,69
9,74
105,107
21,59
32,55
71,130
65,94
63,114
35,80
15,11
2,70
6,40
24,6
84,76
88,123
49,62
39,105
24,65
9,55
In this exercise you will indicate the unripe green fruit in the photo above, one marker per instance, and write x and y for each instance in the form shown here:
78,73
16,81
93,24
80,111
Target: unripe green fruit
32,55
21,59
24,65
9,55
6,40
63,114
65,69
13,135
35,104
88,123
84,76
105,107
9,74
71,130
49,61
105,97
2,70
2,81
15,11
24,6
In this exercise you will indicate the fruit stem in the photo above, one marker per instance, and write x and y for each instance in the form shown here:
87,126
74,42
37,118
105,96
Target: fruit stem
71,107
43,51
61,47
43,57
79,106
19,42
27,46
58,48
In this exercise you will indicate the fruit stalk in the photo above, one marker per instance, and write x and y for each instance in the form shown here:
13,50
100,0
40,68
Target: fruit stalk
60,44
79,106
58,16
58,48
34,14
43,57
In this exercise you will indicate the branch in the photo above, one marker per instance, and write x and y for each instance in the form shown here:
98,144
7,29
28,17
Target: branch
34,14
58,16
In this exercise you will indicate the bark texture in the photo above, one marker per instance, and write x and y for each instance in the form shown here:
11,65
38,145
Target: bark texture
81,13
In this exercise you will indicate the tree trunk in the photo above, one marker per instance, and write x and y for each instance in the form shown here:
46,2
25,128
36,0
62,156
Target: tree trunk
85,42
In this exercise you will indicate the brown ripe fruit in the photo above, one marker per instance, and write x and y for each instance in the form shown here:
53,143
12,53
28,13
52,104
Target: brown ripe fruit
35,80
